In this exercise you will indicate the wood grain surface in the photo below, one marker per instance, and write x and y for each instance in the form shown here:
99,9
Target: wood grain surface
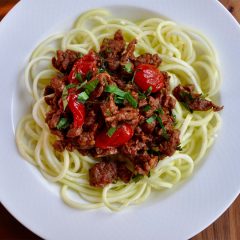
227,227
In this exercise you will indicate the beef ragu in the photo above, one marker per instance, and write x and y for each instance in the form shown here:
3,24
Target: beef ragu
116,107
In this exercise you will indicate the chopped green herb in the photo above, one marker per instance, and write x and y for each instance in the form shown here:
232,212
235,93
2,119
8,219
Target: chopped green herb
121,95
82,97
179,148
111,131
64,97
149,91
137,177
159,111
146,108
131,100
149,174
63,123
89,75
114,89
128,67
101,70
90,86
71,86
165,135
141,95
118,100
151,119
82,85
79,77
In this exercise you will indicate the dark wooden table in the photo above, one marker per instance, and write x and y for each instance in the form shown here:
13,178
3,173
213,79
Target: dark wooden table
227,227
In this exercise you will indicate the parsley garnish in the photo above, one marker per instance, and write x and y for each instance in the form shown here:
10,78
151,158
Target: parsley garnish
146,108
151,119
165,135
111,131
82,97
90,86
64,97
89,75
101,70
128,67
63,123
79,77
148,92
121,95
159,111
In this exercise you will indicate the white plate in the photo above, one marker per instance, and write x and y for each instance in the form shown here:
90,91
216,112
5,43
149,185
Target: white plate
177,214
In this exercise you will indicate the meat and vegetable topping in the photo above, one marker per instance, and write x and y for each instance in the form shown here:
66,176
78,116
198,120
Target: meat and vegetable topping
116,107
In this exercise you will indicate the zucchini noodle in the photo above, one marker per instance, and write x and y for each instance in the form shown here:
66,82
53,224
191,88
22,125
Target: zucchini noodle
187,56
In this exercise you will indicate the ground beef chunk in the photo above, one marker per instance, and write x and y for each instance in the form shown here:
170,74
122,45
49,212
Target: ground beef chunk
59,145
111,50
102,173
48,90
132,147
144,163
123,172
52,118
148,58
105,152
65,60
86,140
169,146
193,101
74,132
109,108
128,54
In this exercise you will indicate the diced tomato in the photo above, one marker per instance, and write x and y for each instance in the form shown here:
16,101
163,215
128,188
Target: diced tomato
122,135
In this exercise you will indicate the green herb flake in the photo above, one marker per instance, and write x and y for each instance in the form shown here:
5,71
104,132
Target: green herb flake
151,119
159,111
71,86
148,92
63,123
137,177
118,100
128,67
115,90
91,86
165,135
146,108
101,70
79,77
82,97
89,75
121,95
80,55
111,131
131,100
64,97
108,113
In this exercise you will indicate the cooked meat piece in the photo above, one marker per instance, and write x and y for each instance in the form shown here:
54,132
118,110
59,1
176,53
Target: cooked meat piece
144,163
105,152
148,58
65,60
169,146
123,172
193,101
102,173
128,54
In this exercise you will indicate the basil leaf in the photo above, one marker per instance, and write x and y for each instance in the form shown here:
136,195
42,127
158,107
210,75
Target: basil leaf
89,75
114,89
79,77
64,97
151,119
63,123
111,131
146,108
82,97
71,86
165,135
120,93
131,100
90,86
159,111
128,67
